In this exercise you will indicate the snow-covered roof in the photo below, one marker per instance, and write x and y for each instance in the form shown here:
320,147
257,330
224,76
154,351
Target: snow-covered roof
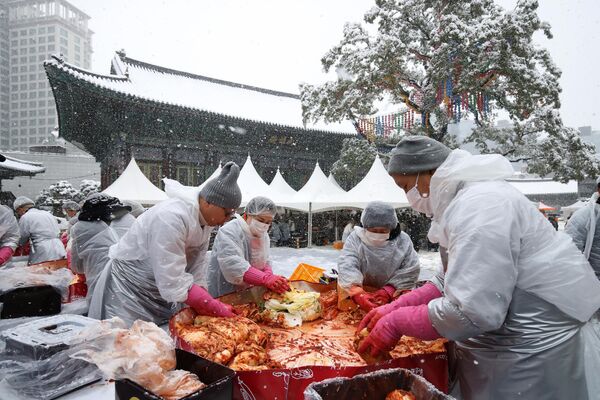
250,183
12,167
167,86
376,185
543,186
133,185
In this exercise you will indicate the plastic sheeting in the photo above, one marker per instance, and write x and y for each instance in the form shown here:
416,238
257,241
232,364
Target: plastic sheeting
17,277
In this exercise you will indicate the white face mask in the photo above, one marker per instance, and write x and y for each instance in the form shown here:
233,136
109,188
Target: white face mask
419,202
258,228
378,239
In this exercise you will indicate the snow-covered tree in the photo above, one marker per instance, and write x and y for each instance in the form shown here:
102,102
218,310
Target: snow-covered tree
428,54
88,187
355,160
56,195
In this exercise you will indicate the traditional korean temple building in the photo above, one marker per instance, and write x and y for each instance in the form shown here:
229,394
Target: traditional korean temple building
180,125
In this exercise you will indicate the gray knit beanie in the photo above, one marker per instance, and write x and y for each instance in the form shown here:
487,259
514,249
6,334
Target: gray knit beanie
379,214
223,191
414,154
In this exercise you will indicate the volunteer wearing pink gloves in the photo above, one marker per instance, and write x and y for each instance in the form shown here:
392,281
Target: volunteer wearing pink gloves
377,255
161,260
9,234
240,253
515,292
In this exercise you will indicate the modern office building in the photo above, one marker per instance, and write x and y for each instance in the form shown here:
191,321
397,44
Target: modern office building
30,32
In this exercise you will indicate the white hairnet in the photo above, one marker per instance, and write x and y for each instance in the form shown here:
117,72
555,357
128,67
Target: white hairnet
71,205
22,201
136,208
379,214
260,205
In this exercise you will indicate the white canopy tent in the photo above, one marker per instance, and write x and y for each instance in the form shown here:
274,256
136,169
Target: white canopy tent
570,209
280,190
542,186
251,184
133,185
376,185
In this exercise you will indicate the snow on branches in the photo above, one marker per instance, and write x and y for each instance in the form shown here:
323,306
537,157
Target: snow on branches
407,51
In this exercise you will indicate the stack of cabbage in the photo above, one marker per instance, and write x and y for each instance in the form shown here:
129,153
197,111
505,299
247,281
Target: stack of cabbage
292,308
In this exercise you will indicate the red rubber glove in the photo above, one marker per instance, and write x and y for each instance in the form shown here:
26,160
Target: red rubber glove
276,283
410,321
5,254
204,304
384,295
422,295
365,301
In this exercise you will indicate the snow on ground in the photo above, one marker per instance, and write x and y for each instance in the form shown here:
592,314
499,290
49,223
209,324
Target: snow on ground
286,259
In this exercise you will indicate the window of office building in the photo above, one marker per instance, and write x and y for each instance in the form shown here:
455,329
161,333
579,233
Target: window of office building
42,29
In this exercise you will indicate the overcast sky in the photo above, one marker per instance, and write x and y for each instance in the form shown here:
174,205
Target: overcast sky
277,44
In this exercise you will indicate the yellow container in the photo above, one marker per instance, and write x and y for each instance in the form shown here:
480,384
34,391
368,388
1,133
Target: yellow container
307,272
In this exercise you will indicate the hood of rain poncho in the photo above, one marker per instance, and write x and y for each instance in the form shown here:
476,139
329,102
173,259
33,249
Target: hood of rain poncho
461,167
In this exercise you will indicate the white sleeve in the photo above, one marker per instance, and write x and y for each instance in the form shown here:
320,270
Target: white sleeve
24,227
10,229
482,273
578,227
406,274
230,253
199,265
349,273
167,234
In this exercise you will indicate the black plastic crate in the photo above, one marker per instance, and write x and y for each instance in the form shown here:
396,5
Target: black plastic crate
217,378
31,301
374,386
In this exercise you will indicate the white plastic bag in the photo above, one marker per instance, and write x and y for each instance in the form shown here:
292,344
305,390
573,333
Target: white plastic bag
144,354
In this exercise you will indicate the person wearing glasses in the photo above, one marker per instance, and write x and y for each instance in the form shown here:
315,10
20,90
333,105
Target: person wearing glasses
240,253
161,261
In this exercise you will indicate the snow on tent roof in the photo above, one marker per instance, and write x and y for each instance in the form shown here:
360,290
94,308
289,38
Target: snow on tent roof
168,86
281,191
133,185
543,186
250,183
376,185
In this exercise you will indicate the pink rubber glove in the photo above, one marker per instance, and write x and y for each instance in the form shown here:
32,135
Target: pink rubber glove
5,254
384,295
422,295
410,321
365,301
276,283
204,304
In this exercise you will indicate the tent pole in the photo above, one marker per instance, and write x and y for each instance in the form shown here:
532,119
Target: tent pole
309,244
336,226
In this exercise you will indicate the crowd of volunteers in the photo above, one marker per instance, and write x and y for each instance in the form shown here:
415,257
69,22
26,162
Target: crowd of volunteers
513,296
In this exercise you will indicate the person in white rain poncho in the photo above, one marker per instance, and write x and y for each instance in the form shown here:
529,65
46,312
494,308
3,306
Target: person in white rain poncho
92,237
161,261
516,292
9,234
584,228
240,252
122,224
42,229
377,255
